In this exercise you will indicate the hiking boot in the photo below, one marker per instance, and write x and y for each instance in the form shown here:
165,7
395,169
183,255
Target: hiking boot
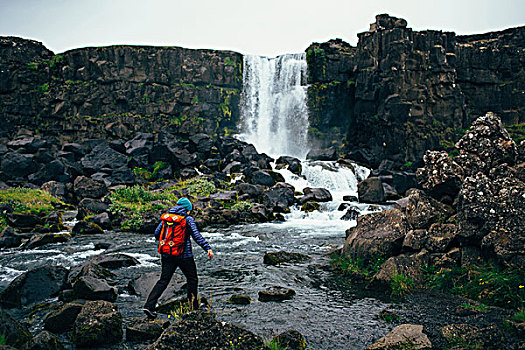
150,314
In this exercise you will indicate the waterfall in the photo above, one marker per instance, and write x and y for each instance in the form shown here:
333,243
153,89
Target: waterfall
274,115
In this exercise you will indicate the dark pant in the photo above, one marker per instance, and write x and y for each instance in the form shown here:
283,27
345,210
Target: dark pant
169,265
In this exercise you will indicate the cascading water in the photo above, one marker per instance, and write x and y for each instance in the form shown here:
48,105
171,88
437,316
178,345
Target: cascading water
273,107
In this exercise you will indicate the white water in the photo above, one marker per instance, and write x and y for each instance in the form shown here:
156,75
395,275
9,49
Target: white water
273,105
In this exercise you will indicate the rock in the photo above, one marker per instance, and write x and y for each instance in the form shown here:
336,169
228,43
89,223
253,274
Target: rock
103,157
78,150
103,220
198,328
113,261
440,236
46,340
47,238
90,206
277,258
294,164
228,196
441,177
310,206
322,154
422,211
86,187
99,323
315,194
17,165
141,329
62,320
415,240
262,178
143,284
487,338
351,213
8,238
24,221
86,228
350,198
291,340
91,288
33,286
276,293
377,235
15,334
201,143
56,189
371,191
88,269
405,335
470,255
253,191
178,304
240,299
408,265
278,198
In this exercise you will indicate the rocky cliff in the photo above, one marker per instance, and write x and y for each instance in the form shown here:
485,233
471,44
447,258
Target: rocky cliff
401,92
116,91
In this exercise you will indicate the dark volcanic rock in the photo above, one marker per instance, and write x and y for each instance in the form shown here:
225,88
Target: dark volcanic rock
90,206
46,340
276,293
371,191
322,154
316,194
34,286
91,288
441,176
15,334
113,261
62,320
87,228
377,235
405,335
489,338
277,258
103,156
278,198
198,328
142,329
43,239
8,238
262,178
86,187
240,299
422,211
291,340
99,323
143,284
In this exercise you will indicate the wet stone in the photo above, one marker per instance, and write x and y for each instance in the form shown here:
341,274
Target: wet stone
62,320
277,258
240,299
143,329
276,293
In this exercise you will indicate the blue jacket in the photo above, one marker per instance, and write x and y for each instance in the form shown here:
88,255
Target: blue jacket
191,229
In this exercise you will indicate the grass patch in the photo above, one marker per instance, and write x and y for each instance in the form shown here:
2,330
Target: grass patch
27,201
274,345
401,285
197,186
356,267
475,307
488,284
151,175
519,316
517,132
242,206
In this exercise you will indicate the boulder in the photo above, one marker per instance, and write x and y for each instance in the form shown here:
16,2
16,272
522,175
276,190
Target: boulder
262,178
62,320
9,239
291,340
278,198
91,288
422,211
26,144
23,221
17,165
253,191
34,286
113,261
240,299
322,154
409,265
371,191
350,198
441,177
56,189
86,228
90,206
142,285
87,269
15,333
103,157
415,240
98,324
377,235
103,220
141,329
86,187
439,237
43,239
198,328
277,258
276,293
310,206
293,164
315,194
405,335
46,340
352,213
201,143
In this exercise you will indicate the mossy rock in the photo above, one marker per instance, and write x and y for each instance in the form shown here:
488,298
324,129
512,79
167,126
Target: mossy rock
240,299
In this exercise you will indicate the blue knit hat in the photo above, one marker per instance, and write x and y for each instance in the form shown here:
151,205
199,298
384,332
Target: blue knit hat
185,203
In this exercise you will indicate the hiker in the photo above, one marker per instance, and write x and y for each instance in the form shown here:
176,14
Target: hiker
173,234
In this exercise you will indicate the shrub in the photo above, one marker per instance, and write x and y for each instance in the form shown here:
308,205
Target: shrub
242,205
198,186
356,266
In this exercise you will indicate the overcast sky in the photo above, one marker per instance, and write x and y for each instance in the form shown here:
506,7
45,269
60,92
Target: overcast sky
265,27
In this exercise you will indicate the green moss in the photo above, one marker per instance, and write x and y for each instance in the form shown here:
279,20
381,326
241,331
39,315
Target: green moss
517,132
43,88
32,65
229,62
145,99
197,186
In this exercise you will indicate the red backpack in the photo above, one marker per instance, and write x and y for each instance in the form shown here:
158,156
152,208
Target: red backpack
172,234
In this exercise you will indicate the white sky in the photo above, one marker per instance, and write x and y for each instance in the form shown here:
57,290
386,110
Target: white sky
263,27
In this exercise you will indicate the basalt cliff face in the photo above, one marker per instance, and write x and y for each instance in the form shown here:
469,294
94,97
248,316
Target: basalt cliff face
113,92
401,92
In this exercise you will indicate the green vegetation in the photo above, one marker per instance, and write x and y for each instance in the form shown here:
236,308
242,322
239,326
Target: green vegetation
273,345
389,316
407,165
3,340
181,309
488,284
197,186
43,88
519,316
195,100
229,62
145,99
517,132
52,61
316,58
25,200
357,266
148,175
242,206
32,65
401,285
475,307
